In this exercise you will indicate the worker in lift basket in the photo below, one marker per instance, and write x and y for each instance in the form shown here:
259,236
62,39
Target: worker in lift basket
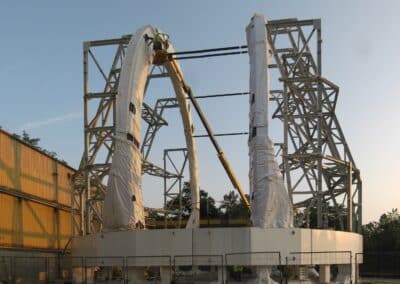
159,41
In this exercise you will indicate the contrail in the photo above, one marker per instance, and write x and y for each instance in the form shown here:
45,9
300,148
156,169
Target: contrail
49,121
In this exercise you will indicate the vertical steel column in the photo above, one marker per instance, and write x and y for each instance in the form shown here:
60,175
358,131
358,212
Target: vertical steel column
85,209
180,203
359,207
320,208
165,188
285,152
350,198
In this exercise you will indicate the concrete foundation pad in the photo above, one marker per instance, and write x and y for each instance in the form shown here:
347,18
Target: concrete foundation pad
221,247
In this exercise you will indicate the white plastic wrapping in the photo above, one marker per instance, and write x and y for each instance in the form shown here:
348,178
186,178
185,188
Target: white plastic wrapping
123,204
270,203
175,73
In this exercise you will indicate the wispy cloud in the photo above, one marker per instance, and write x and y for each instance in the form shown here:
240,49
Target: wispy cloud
49,121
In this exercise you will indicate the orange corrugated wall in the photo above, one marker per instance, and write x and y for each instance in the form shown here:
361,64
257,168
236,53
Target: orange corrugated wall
8,165
25,223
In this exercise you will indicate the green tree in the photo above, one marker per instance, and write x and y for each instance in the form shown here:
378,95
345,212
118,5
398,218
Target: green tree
383,236
233,207
34,142
28,139
208,208
186,197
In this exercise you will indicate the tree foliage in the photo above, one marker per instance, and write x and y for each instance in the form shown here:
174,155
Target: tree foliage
381,236
34,142
231,207
28,139
384,235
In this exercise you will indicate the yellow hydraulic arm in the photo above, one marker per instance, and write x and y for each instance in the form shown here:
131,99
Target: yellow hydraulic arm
210,133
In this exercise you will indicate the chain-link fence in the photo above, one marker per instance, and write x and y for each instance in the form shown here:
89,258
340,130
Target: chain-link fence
30,270
378,267
101,269
149,268
240,266
6,272
194,268
369,267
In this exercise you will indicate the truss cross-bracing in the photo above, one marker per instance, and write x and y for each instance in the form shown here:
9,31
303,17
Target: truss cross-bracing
319,170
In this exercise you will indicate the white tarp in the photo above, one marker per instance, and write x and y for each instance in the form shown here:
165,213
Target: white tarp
177,80
270,203
123,204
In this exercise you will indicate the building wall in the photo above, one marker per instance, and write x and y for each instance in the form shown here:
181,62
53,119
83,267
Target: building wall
35,197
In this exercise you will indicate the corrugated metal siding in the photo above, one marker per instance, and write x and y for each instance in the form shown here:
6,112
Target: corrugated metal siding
39,226
64,184
37,174
7,162
10,220
28,224
65,228
25,223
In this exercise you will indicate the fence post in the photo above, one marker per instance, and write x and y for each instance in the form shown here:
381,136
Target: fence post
351,267
85,270
124,270
13,269
46,269
357,269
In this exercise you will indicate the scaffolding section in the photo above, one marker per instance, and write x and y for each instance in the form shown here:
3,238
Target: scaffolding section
320,173
175,160
90,181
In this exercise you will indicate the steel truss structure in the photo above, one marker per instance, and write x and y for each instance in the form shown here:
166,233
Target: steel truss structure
99,129
173,186
322,178
319,170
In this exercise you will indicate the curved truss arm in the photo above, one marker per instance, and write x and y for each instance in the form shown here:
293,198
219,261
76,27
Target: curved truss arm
123,204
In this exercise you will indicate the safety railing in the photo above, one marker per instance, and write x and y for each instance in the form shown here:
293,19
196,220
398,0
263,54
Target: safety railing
320,258
253,258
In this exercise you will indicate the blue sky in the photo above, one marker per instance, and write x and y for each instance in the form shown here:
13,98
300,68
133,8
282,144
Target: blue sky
41,76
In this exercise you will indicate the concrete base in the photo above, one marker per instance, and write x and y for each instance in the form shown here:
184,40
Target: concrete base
220,248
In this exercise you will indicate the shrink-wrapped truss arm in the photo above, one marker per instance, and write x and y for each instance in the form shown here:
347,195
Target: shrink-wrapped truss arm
270,203
123,204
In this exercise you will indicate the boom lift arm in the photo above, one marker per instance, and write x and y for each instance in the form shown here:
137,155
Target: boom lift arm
220,153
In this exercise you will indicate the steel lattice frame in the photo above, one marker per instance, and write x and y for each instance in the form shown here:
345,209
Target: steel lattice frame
90,181
173,186
318,167
317,164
